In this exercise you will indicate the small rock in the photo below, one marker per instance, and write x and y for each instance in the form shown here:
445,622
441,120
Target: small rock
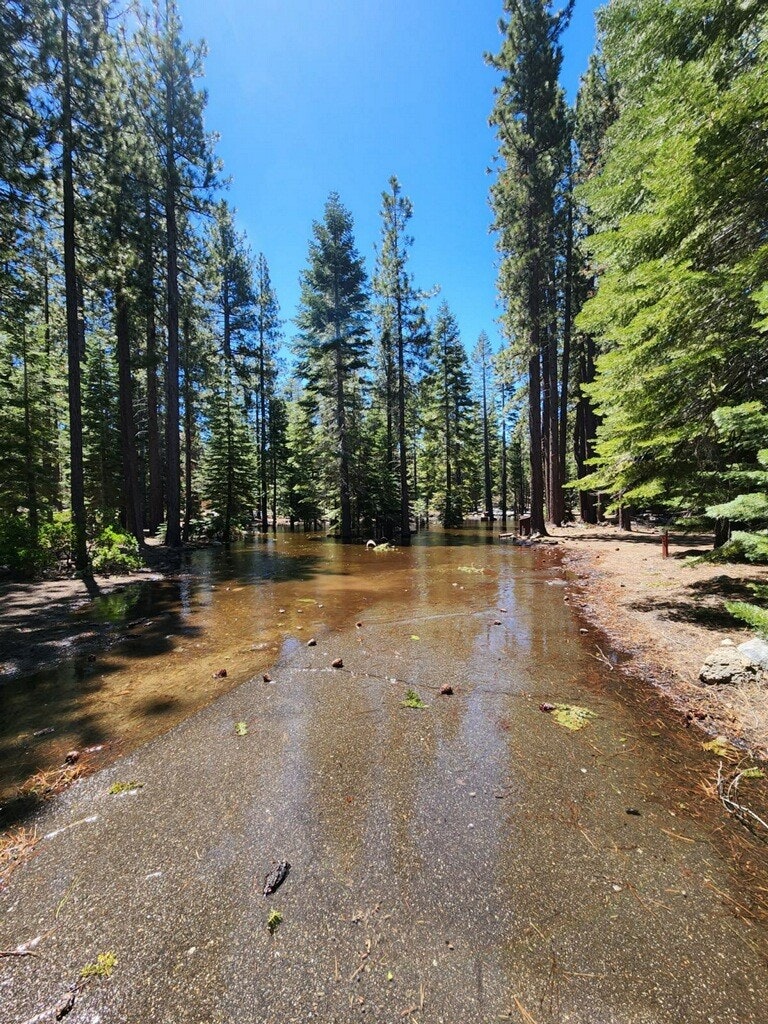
729,667
503,611
497,622
583,630
267,677
337,663
756,651
546,707
727,643
446,690
72,757
312,642
220,674
633,810
359,625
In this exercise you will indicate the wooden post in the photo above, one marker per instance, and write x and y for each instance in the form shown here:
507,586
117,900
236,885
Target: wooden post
665,544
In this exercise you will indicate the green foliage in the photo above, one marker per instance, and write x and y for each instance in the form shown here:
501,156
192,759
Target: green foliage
413,700
753,615
274,920
742,547
114,550
678,213
124,787
22,555
103,968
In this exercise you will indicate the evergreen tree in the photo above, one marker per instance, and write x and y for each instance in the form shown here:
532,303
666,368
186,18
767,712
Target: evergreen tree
399,308
482,358
678,209
267,328
530,120
447,401
333,321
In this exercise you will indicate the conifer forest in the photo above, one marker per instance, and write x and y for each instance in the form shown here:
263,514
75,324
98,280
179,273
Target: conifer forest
383,511
153,384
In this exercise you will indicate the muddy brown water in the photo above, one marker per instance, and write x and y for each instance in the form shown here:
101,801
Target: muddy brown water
478,854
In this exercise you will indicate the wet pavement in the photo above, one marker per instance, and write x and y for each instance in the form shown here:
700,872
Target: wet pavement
471,861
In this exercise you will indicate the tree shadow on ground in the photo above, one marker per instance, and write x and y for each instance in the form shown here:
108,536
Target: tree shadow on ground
702,602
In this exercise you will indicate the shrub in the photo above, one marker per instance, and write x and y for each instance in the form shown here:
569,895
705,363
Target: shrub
742,547
114,550
755,617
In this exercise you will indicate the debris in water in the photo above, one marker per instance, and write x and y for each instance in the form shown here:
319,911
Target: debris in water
241,728
267,677
72,757
276,877
446,690
312,642
720,747
570,716
44,732
337,663
124,787
412,700
274,921
220,674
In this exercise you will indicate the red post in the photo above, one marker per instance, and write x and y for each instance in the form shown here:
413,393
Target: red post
665,544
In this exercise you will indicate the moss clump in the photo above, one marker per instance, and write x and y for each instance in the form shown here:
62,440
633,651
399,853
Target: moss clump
105,964
274,921
124,787
241,728
413,700
571,716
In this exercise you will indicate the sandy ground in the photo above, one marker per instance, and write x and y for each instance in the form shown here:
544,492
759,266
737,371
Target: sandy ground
666,616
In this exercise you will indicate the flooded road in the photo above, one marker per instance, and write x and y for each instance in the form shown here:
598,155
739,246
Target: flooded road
467,861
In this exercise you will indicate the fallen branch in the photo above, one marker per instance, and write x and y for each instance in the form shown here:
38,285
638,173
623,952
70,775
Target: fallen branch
728,793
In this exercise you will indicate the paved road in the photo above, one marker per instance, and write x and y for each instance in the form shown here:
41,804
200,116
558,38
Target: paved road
468,862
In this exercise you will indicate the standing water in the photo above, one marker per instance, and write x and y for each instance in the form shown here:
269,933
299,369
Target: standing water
465,858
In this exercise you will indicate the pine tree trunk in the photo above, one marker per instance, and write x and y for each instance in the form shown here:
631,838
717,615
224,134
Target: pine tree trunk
173,467
154,453
263,434
503,482
129,456
487,454
29,448
567,331
534,420
405,505
189,423
77,485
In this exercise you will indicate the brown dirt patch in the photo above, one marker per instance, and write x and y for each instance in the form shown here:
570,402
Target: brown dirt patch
666,616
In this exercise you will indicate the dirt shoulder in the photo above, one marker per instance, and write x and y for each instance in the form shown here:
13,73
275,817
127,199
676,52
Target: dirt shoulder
666,616
46,620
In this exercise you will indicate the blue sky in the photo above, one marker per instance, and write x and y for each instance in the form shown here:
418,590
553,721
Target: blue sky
310,96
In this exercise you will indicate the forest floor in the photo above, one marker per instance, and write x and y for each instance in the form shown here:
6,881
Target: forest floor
666,616
39,618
